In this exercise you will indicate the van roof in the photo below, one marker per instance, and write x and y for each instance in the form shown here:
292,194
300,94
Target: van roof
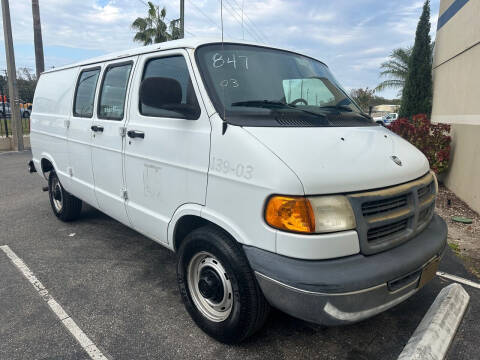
191,43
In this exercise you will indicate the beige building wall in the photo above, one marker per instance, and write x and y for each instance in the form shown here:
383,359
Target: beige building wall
456,94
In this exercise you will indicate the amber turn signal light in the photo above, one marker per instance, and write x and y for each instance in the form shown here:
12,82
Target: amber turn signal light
290,213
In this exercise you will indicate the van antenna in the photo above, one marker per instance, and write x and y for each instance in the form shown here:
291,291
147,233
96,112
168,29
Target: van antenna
224,124
243,29
221,17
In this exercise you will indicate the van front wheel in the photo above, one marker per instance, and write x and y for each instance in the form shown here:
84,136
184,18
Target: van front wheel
65,206
218,287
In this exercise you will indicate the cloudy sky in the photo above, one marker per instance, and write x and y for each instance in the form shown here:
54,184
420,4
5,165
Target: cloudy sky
352,36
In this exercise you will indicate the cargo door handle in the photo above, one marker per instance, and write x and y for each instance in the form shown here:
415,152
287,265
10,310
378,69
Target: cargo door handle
135,134
97,128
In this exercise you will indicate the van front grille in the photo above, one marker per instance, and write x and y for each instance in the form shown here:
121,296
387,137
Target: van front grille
384,205
423,192
387,230
389,217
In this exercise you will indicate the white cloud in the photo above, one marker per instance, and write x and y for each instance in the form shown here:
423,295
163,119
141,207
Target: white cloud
374,50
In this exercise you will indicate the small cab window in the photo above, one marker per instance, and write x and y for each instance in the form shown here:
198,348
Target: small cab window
113,92
85,94
167,90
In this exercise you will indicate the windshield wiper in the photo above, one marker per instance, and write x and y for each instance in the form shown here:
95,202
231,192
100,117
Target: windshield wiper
338,107
271,104
263,103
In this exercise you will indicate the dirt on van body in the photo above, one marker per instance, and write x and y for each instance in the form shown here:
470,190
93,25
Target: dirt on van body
464,239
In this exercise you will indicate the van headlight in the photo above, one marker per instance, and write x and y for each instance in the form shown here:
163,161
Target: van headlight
315,214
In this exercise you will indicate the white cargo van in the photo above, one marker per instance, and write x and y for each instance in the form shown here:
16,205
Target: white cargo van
255,166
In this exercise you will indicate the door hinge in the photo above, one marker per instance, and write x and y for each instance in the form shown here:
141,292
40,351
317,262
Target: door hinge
66,123
123,131
70,171
124,194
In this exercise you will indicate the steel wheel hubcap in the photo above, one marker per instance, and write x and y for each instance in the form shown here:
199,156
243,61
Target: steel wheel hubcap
210,287
57,195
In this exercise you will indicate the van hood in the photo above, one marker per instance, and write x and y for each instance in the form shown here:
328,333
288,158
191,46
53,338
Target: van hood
331,160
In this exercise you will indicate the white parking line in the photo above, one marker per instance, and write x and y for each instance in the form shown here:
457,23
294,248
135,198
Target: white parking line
57,309
458,279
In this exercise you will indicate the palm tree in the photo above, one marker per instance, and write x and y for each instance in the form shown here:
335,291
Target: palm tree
152,29
395,69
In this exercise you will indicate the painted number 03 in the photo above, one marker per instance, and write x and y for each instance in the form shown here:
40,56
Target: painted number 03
239,170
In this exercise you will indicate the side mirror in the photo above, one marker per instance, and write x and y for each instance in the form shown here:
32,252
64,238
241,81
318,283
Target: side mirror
162,97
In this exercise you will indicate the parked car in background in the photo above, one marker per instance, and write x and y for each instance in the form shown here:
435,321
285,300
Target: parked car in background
386,119
25,110
252,164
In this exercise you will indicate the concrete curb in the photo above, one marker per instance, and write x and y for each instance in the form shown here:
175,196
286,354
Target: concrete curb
437,329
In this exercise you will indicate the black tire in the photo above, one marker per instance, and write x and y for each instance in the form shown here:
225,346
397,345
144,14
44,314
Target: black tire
70,206
249,310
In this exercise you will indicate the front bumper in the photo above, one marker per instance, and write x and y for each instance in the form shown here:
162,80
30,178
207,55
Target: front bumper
349,289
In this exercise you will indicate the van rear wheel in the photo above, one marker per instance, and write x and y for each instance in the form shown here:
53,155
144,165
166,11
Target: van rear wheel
218,287
65,206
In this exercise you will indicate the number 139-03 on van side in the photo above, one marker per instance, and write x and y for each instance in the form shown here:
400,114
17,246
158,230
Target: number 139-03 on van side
255,167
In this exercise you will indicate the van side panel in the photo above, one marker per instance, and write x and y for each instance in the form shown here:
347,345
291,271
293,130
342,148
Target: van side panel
51,110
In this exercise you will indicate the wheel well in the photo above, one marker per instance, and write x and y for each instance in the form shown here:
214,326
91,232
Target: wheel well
185,225
46,166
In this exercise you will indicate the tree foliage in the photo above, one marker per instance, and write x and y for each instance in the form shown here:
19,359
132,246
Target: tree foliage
152,29
417,93
366,98
363,97
26,84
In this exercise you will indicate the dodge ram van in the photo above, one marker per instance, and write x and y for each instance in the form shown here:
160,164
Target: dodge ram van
255,167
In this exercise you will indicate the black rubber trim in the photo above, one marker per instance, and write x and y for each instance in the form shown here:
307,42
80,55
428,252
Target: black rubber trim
352,273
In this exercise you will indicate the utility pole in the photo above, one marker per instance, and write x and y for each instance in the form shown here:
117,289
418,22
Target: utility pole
37,38
17,130
182,19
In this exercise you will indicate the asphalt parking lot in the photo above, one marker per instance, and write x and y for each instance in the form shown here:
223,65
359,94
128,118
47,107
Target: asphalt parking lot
120,288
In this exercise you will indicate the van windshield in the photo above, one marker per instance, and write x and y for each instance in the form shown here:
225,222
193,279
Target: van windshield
256,86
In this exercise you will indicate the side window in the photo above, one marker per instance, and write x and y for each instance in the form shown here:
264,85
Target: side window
114,89
167,89
85,93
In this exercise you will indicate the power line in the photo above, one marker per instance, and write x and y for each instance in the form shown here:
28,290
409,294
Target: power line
206,16
251,22
238,12
234,14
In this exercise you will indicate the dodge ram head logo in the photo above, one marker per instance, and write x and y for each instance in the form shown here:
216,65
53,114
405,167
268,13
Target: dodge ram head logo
396,160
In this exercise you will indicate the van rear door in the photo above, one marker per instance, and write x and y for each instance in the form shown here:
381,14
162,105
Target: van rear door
167,144
108,141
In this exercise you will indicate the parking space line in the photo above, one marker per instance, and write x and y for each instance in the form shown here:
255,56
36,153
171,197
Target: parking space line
84,341
458,279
